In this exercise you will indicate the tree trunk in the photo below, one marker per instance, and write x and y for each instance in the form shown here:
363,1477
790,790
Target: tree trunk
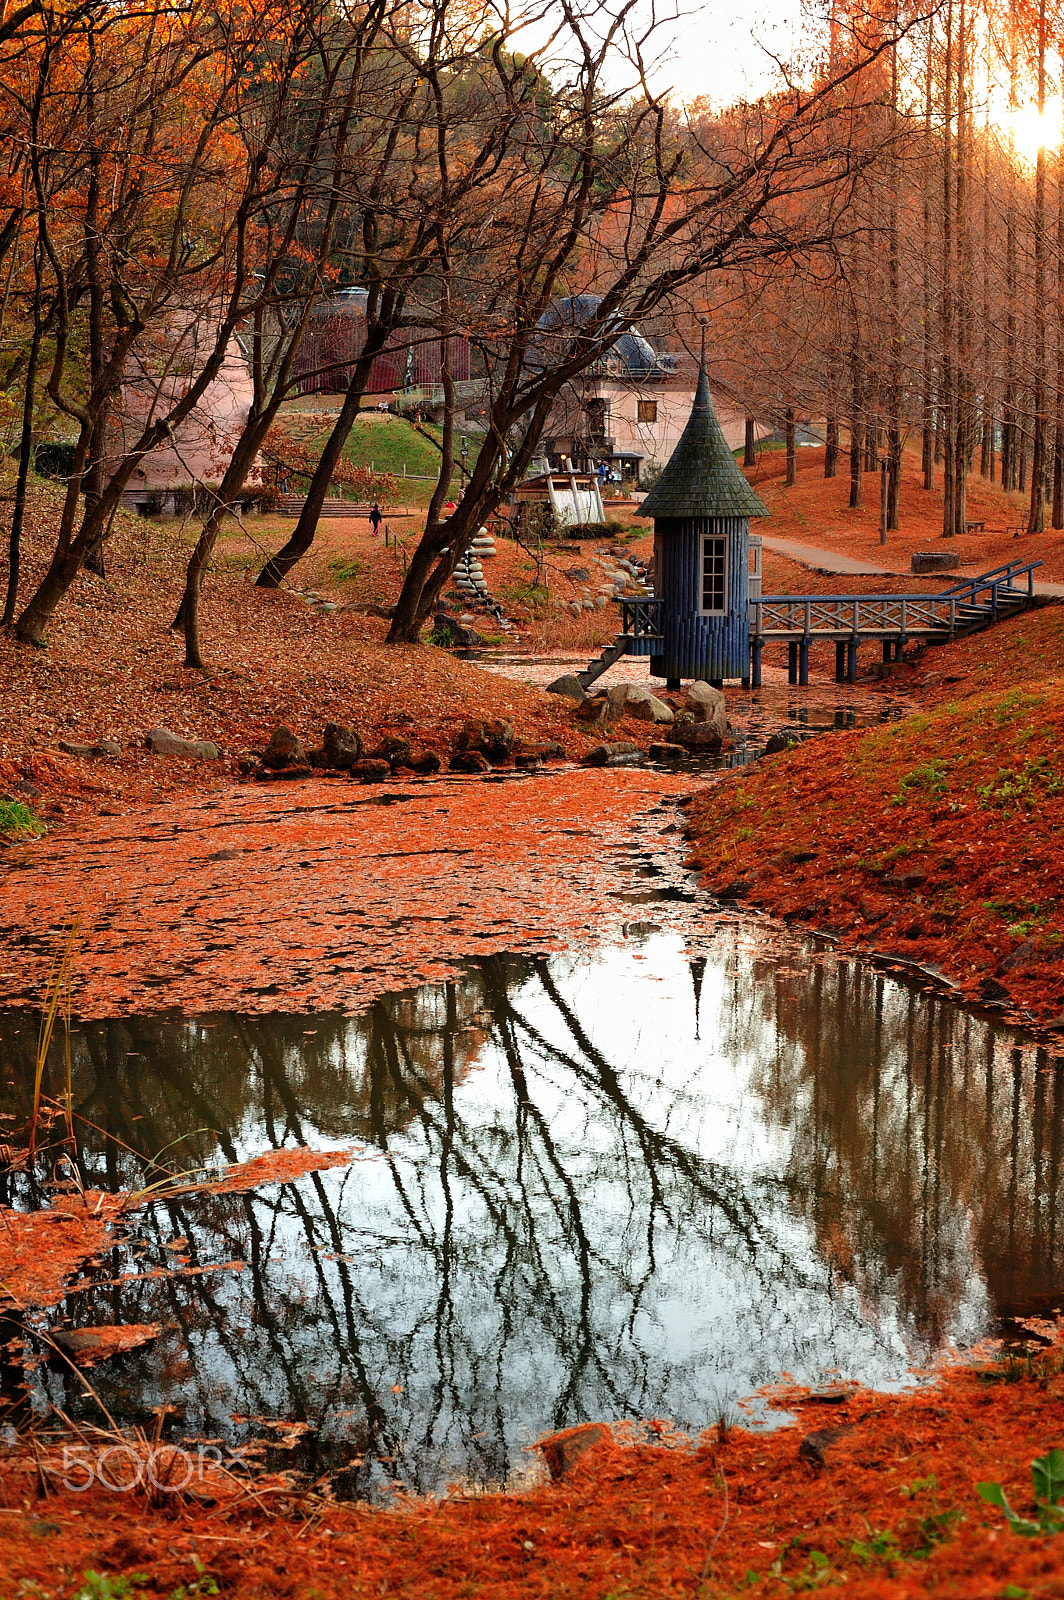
1036,520
792,452
279,566
856,440
1058,429
831,448
894,378
749,445
927,437
25,455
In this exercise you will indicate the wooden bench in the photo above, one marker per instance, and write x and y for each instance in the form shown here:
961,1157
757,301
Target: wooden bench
975,527
1015,532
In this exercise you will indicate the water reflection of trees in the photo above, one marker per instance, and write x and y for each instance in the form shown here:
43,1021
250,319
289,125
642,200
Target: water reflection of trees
537,1244
499,1263
920,1136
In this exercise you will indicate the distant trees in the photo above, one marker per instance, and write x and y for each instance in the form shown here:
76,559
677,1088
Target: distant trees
936,312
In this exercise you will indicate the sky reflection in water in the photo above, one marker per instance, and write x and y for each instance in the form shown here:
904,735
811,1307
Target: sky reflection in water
630,1184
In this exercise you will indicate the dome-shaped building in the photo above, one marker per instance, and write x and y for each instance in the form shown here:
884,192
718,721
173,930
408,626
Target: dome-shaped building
626,410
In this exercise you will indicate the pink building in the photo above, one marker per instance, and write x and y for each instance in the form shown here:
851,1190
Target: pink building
177,474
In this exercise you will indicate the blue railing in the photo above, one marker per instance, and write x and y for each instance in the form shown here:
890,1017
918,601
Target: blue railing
642,619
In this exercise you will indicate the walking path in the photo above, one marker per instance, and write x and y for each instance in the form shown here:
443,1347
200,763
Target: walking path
820,560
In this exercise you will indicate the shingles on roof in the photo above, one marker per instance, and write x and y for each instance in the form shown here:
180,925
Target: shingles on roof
702,478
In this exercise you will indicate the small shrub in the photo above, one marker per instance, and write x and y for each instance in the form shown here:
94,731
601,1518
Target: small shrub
1012,789
343,569
929,779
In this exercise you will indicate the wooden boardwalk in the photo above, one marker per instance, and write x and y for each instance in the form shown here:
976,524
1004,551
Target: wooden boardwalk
847,620
892,620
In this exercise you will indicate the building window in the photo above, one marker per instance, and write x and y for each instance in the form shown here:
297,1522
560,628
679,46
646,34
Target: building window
714,572
646,410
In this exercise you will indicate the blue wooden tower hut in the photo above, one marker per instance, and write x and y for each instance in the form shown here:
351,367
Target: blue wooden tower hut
701,506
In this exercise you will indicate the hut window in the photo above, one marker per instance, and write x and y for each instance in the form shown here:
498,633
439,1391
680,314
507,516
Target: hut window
646,411
714,563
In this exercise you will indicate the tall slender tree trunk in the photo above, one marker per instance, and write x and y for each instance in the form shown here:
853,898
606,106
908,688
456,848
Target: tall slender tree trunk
927,433
1036,520
279,566
792,451
948,398
986,443
856,430
894,381
1058,323
965,412
14,545
1009,431
94,475
749,444
831,448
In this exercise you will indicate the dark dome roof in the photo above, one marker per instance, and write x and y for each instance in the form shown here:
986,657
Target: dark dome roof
630,349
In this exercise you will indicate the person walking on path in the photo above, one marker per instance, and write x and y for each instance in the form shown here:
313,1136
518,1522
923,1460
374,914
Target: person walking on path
375,516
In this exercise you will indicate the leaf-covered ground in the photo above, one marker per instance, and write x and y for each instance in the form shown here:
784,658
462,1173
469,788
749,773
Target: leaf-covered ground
816,511
936,838
879,1503
112,669
326,894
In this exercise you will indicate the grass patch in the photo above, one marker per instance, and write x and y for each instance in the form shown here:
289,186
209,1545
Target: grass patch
18,821
342,569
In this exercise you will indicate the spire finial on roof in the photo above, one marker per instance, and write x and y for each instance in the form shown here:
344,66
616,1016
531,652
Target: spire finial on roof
702,478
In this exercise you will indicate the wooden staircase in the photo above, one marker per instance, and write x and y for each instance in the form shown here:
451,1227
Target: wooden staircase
594,669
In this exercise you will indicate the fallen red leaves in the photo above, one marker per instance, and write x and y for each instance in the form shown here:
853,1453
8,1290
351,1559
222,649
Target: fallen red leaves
893,1513
325,898
41,1249
936,839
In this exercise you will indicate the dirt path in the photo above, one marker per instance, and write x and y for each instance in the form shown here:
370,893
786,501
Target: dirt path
326,894
821,560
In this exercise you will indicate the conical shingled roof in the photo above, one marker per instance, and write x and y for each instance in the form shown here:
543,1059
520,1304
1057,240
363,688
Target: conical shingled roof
702,478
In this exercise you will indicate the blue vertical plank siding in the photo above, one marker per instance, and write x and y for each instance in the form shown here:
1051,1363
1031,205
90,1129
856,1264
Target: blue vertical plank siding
697,646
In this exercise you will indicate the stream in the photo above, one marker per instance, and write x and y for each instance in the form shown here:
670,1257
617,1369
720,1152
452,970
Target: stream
626,1182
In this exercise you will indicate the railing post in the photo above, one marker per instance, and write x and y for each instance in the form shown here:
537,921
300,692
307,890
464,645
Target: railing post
755,663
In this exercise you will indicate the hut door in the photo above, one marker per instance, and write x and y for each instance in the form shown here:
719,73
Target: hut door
714,575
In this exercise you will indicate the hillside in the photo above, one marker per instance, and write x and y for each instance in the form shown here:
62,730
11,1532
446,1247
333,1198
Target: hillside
935,839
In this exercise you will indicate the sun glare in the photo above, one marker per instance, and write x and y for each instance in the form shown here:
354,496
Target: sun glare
1029,132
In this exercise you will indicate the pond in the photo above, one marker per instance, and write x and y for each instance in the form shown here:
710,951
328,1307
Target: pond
633,1182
